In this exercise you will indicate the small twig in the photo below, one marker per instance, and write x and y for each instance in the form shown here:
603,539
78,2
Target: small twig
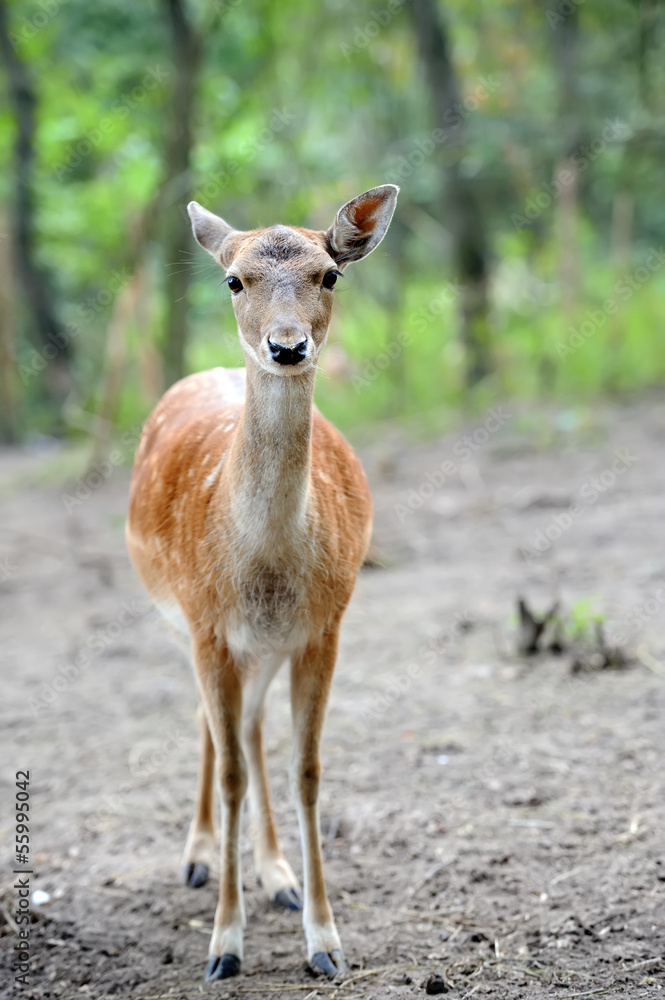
535,973
586,993
647,961
376,972
564,875
331,987
429,876
477,971
421,915
157,996
286,988
114,888
650,661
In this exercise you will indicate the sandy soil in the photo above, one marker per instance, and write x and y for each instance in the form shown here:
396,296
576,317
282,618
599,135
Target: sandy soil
493,820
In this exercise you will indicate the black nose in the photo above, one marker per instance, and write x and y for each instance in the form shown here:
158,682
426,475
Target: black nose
287,355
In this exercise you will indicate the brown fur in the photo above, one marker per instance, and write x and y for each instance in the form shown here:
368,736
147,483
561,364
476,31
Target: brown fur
249,518
178,531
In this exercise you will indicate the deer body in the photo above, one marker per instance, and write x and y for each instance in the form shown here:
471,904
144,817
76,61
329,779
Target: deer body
264,553
249,518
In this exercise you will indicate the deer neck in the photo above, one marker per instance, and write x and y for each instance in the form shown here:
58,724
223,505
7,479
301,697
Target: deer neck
270,461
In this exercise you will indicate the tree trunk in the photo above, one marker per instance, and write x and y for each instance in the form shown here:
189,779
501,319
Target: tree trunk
647,45
462,209
126,307
8,387
186,48
45,329
566,44
623,218
131,307
394,301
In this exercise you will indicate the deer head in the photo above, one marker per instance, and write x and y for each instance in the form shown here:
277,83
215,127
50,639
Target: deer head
282,278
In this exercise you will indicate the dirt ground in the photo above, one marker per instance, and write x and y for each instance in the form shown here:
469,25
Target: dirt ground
495,820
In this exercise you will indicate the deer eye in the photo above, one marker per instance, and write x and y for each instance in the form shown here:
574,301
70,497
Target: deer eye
235,284
330,278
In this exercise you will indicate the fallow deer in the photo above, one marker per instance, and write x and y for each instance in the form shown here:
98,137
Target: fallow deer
249,518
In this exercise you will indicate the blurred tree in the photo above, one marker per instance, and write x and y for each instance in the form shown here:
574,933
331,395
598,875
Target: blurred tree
460,195
566,44
186,46
44,327
9,398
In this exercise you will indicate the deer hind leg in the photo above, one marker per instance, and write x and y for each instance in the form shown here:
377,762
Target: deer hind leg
311,677
220,687
200,846
273,870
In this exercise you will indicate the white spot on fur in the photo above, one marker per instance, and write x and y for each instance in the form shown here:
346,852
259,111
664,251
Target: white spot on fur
175,617
212,476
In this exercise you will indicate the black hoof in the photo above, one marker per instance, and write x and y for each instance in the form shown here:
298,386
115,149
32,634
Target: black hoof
222,968
195,875
290,899
330,963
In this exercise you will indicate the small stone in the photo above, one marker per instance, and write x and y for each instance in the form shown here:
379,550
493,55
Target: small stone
435,984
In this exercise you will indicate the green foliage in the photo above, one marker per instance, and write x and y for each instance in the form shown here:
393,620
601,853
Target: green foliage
582,621
301,106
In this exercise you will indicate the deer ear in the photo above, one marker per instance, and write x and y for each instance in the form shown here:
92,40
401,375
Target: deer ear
209,230
361,224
